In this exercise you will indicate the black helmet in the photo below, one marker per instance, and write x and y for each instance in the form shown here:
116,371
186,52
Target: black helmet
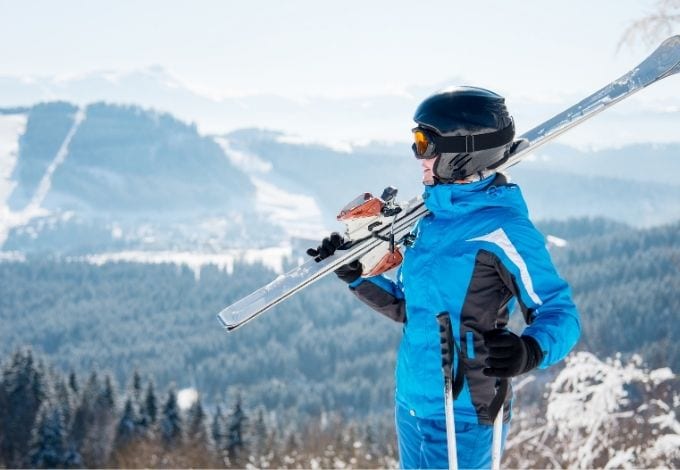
468,130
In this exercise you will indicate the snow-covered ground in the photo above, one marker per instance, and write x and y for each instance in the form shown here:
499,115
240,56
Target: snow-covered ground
299,215
273,258
12,128
8,218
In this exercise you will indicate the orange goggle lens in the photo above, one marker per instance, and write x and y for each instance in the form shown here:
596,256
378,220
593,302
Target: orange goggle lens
422,142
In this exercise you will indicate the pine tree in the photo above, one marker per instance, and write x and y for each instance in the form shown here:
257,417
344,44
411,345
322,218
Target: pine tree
197,433
136,388
48,441
150,408
126,428
82,430
218,433
102,427
67,401
23,391
171,422
73,382
197,439
236,427
258,438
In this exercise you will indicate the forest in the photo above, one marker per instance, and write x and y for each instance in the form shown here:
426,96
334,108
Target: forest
316,369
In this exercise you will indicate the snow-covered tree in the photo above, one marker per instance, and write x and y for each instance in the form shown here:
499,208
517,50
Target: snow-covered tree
602,414
149,411
22,391
126,428
257,433
91,428
171,421
236,432
48,447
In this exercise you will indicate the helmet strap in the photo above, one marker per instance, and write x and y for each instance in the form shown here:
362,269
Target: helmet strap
473,142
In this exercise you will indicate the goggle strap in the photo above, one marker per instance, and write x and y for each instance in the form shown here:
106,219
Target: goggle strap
474,142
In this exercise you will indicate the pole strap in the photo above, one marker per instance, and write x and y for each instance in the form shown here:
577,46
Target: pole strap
502,387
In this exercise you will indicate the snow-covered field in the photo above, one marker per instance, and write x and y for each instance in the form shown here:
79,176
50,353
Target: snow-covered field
12,128
273,258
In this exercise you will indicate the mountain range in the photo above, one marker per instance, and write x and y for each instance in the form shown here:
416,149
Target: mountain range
338,120
104,178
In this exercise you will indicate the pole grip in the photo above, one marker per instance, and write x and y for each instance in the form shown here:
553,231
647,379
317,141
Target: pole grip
446,342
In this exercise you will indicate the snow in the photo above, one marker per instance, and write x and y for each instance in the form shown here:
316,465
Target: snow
661,375
245,161
340,146
11,128
186,397
46,181
9,219
589,400
13,256
298,214
668,444
272,257
622,459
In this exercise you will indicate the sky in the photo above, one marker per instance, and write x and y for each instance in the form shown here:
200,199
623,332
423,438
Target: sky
301,50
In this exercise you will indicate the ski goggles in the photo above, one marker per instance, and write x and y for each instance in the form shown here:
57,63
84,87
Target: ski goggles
427,144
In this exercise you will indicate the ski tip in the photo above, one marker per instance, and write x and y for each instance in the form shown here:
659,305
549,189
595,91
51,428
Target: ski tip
670,46
225,325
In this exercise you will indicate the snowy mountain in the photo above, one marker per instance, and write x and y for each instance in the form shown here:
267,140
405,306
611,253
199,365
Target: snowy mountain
125,183
558,182
337,120
110,178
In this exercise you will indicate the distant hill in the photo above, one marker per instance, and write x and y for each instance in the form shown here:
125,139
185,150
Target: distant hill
124,159
561,182
108,178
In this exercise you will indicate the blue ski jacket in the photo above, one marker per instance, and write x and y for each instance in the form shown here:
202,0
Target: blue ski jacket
475,255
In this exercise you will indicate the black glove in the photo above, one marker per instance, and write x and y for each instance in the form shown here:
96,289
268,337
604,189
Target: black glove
347,272
350,272
327,247
509,354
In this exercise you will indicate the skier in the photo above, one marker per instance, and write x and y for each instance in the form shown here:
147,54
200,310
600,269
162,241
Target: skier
475,256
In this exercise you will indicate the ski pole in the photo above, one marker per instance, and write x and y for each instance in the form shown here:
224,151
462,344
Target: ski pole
447,347
497,406
496,443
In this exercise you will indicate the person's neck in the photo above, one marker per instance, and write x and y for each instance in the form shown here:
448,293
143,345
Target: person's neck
480,175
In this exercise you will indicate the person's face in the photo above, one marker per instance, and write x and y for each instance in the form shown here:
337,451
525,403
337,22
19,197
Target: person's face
428,171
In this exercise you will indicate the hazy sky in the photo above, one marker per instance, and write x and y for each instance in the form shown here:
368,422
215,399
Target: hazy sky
297,48
532,51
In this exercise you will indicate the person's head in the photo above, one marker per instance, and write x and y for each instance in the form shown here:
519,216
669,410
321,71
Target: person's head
461,132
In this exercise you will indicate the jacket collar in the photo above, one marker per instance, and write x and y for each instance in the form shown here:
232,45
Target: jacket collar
454,200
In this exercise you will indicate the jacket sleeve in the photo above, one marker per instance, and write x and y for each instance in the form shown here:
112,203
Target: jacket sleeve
544,297
382,295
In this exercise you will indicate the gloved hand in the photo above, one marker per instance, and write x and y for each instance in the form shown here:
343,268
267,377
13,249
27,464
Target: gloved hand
327,247
509,354
350,272
347,272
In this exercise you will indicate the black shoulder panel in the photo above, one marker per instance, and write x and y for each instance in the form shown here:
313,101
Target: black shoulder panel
381,301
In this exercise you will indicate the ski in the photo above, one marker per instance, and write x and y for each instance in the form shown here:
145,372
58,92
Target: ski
396,223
